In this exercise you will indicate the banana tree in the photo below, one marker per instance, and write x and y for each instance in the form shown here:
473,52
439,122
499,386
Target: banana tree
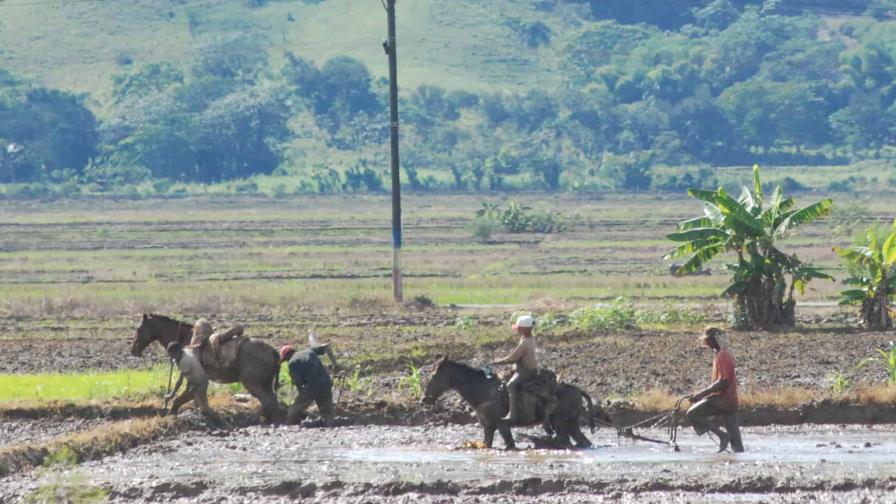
764,278
873,277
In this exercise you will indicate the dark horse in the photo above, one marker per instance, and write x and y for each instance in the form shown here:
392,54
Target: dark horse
257,365
485,393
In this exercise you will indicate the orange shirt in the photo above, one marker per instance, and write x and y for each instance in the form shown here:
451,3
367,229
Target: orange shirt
723,367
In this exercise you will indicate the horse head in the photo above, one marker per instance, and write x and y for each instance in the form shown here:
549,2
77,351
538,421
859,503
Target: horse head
438,384
158,328
143,336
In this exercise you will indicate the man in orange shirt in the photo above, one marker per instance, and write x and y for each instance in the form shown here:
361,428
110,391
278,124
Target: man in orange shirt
720,397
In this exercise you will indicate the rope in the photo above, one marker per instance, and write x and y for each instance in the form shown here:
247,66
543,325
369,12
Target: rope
170,373
669,416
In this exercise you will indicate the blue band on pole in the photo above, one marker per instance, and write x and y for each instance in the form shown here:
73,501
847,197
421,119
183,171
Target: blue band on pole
396,238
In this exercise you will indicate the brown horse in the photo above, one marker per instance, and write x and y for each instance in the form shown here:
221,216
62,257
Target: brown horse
488,396
257,365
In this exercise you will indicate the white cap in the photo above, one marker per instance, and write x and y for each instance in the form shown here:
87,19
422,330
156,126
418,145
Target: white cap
525,321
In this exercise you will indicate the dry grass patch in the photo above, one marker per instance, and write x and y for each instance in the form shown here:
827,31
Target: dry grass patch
875,395
656,400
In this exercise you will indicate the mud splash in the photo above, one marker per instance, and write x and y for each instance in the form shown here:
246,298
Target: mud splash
382,464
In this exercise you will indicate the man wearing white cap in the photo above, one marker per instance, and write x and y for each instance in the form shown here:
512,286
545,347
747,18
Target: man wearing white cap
523,358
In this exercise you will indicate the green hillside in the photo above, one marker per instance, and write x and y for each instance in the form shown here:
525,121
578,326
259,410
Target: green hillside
145,96
463,44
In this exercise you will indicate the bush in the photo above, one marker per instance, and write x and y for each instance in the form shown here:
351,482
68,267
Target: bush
243,186
518,218
482,229
790,184
849,184
618,315
671,315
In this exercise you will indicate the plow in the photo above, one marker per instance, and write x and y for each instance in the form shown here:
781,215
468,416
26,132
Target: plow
670,418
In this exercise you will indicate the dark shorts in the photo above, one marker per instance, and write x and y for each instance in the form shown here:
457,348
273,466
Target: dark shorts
321,395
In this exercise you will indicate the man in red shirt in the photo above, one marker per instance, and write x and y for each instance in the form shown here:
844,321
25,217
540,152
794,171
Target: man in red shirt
720,397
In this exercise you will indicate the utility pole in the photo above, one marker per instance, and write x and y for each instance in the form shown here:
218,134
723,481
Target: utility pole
390,46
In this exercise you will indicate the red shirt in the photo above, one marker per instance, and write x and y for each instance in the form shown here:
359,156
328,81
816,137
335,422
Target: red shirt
723,368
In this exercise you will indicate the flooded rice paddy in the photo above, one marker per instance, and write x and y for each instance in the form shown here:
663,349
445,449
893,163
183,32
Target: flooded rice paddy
426,464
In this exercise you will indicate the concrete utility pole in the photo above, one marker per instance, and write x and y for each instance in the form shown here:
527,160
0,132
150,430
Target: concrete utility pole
391,49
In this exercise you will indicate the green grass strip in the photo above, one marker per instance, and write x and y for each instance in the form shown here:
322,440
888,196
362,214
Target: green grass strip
86,385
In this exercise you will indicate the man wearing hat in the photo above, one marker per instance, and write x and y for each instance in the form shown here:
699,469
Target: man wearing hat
203,332
197,381
312,380
720,397
523,359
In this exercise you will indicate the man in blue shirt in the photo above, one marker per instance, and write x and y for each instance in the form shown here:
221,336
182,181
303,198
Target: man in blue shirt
312,380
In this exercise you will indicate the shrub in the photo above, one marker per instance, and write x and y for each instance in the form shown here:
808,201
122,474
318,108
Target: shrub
482,229
671,315
518,218
620,314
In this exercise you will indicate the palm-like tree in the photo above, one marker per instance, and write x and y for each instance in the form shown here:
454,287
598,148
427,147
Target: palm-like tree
873,276
751,227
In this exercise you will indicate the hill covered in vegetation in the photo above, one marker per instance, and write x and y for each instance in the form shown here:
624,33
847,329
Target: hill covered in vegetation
99,95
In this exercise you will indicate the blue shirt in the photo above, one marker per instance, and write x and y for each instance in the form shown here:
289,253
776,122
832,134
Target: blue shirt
306,368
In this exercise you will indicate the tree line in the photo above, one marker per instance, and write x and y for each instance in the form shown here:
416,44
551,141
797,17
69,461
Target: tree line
723,82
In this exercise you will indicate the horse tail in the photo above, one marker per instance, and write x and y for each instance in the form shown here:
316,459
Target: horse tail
277,374
591,423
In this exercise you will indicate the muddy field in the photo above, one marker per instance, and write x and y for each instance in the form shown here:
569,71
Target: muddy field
426,464
79,275
614,364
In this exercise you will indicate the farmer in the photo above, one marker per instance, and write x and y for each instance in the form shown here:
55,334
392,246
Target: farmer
203,332
720,397
525,365
312,380
197,382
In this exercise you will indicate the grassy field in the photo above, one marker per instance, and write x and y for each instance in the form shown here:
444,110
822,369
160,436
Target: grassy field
131,384
226,255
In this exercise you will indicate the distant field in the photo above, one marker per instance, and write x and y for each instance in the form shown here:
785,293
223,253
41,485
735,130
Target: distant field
229,255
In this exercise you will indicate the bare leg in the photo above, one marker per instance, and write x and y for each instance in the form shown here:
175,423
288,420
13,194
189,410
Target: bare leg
732,425
200,395
324,400
185,397
700,415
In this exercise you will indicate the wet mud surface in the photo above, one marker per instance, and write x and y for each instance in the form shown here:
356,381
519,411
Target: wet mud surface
426,464
13,432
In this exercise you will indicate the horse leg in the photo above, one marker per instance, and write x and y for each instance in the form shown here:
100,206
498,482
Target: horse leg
267,399
489,435
579,436
506,435
546,425
562,438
